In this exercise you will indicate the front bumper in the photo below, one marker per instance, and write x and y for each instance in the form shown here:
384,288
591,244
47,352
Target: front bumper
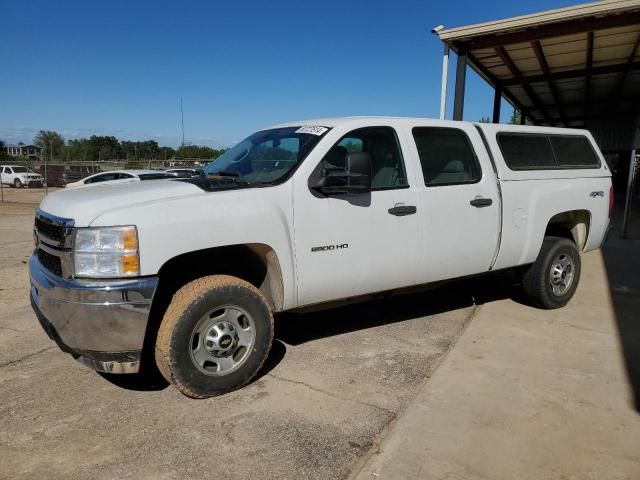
33,181
101,323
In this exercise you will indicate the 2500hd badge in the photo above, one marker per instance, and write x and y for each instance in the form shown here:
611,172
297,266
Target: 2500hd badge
327,248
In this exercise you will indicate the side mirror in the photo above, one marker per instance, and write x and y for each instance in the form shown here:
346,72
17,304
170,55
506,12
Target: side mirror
355,179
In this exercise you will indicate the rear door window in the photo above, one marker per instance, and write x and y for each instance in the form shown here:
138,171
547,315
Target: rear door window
446,156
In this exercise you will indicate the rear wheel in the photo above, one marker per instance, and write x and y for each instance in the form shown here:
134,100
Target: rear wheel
17,183
214,337
552,280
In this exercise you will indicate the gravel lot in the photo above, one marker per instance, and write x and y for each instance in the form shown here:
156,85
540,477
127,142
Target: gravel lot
25,195
334,380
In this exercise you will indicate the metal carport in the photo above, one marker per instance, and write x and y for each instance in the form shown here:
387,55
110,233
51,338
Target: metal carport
575,67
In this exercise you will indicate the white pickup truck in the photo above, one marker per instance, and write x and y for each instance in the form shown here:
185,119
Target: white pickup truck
186,274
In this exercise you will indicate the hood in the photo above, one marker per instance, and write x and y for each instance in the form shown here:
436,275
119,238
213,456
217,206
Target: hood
85,204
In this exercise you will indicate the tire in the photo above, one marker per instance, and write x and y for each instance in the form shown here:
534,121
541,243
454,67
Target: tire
214,337
552,280
17,183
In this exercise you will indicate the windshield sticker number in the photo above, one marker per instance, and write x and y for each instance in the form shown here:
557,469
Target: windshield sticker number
312,130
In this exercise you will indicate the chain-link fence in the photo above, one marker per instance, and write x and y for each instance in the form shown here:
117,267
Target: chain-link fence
46,175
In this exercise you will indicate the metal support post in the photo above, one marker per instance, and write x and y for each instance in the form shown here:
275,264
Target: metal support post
445,80
630,185
497,103
461,74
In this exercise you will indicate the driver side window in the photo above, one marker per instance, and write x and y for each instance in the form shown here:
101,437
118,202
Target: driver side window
387,170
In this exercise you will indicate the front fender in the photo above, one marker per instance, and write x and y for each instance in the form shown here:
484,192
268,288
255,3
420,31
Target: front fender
173,227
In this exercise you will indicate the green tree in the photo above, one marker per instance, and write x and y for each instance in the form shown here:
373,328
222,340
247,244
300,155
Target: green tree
167,152
3,151
78,149
515,117
51,143
484,120
196,151
104,148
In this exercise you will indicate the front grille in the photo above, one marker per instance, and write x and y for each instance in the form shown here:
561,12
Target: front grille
49,230
50,262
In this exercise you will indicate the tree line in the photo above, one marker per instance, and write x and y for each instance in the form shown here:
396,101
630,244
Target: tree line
102,147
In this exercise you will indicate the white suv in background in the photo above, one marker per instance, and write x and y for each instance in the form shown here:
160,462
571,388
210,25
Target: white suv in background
19,176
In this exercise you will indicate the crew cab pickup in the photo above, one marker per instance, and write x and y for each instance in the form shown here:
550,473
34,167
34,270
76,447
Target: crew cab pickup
186,274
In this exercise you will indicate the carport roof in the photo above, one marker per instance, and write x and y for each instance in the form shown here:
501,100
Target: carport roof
560,67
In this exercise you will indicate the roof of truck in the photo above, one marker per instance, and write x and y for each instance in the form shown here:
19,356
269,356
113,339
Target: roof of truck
336,121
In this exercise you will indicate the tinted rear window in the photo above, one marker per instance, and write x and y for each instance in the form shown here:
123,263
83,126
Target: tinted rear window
542,152
526,152
574,152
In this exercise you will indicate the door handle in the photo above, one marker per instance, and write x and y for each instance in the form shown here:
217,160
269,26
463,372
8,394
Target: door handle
403,210
481,202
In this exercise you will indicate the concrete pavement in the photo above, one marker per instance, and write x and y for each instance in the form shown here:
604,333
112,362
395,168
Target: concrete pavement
333,381
532,394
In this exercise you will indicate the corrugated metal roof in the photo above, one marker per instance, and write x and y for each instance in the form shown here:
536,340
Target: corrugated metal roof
565,67
539,19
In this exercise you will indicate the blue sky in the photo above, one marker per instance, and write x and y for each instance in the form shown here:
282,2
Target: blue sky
120,67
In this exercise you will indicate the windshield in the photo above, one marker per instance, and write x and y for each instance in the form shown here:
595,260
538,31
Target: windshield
268,156
20,170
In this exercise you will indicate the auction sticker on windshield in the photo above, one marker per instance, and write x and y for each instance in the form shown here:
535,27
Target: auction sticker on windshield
312,130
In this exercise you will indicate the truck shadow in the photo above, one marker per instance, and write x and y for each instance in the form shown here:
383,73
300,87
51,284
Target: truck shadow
299,328
622,263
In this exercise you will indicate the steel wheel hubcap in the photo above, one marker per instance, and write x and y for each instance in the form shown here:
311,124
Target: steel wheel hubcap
222,340
561,276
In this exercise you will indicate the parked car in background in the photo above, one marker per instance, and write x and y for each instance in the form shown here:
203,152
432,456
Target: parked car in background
183,172
75,173
121,176
18,176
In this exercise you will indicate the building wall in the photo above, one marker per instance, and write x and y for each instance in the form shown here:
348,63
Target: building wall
616,134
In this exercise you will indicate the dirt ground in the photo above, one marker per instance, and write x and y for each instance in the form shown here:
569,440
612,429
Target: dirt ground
335,379
24,195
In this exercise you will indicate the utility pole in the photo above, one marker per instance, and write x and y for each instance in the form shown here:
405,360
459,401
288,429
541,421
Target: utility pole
46,182
182,120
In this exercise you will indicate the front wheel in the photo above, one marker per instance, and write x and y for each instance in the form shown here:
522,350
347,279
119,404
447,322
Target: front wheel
214,337
17,183
552,280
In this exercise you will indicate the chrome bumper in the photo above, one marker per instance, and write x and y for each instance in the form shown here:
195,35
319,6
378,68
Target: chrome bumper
101,323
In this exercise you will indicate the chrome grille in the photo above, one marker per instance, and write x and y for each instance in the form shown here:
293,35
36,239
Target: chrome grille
50,230
50,262
54,239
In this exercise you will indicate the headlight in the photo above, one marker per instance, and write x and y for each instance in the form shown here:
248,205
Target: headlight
106,252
